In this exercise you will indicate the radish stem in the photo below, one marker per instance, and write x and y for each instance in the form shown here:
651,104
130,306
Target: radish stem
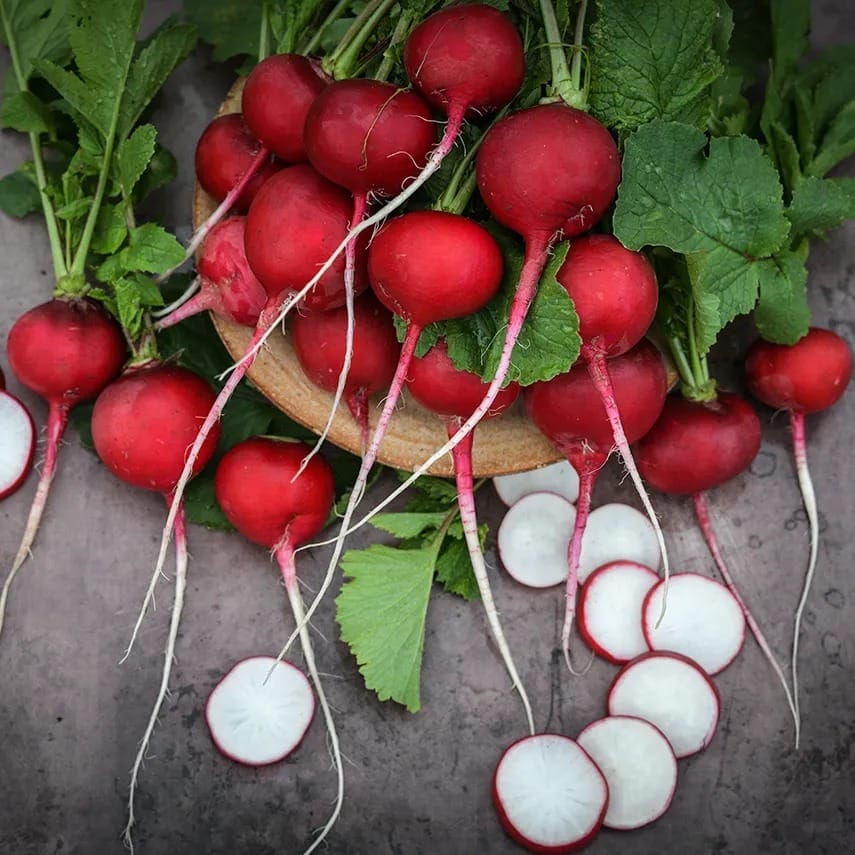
188,294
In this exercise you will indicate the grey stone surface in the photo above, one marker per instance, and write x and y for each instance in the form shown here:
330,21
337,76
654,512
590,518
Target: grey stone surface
70,716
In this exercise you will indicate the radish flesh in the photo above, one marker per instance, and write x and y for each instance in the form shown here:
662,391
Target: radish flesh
560,478
18,445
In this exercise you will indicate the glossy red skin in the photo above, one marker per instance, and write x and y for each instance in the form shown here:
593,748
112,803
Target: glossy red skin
810,375
253,486
467,56
697,446
614,291
276,99
295,222
547,170
144,423
223,153
429,266
28,464
319,340
227,279
438,386
369,136
66,350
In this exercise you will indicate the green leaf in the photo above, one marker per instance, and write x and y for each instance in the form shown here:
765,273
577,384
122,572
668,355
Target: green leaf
653,59
19,194
454,567
786,155
133,157
407,525
820,205
134,294
200,503
382,609
162,170
790,34
40,31
75,210
152,249
110,230
231,28
442,491
782,314
23,112
837,144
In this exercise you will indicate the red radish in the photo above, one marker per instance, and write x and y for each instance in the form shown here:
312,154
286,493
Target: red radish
437,385
559,478
639,767
671,692
609,610
807,377
275,503
18,445
549,794
66,351
260,711
704,621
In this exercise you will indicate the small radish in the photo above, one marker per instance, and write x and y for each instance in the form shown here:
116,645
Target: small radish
67,351
18,444
609,609
806,377
549,794
271,501
671,692
639,767
704,621
560,478
260,711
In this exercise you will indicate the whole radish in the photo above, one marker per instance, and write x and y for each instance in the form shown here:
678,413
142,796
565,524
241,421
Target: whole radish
440,387
67,351
275,502
142,425
807,377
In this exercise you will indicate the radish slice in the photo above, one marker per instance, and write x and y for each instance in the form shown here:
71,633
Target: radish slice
549,794
258,724
17,444
533,539
639,767
558,478
703,621
610,607
617,532
672,693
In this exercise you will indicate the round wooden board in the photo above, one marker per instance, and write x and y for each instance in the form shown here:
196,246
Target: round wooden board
502,445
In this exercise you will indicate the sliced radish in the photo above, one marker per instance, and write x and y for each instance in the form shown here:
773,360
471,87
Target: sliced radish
617,532
533,539
256,722
672,692
639,767
549,794
558,478
17,444
703,621
609,610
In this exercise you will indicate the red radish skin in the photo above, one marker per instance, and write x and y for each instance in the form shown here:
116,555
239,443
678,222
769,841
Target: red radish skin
66,351
18,446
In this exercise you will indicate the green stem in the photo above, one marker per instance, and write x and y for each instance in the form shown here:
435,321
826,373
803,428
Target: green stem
263,36
337,11
701,387
576,65
562,78
680,360
400,32
342,61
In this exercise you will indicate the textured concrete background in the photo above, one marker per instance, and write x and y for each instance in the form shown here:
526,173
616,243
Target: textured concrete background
70,717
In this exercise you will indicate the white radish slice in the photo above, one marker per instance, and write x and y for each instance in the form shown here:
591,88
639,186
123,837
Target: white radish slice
617,532
672,693
17,444
558,478
533,539
639,767
258,723
549,795
610,607
703,621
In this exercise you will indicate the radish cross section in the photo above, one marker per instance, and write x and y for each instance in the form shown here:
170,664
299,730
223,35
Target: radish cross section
560,478
17,446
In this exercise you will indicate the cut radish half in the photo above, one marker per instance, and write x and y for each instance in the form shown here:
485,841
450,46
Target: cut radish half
617,532
639,767
609,610
258,723
558,478
549,794
671,692
703,621
17,444
533,539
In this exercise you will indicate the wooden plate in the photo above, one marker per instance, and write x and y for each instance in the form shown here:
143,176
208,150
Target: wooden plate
502,445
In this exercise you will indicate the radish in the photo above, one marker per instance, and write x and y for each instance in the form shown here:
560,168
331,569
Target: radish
18,445
609,609
66,351
260,711
440,387
671,692
560,478
806,377
639,767
704,621
549,794
271,501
